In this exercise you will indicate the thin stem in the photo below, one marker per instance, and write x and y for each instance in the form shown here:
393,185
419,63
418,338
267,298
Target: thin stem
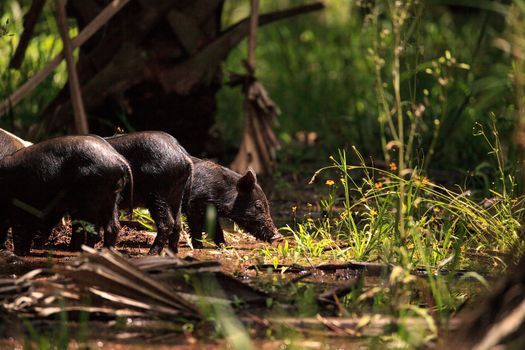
252,37
397,24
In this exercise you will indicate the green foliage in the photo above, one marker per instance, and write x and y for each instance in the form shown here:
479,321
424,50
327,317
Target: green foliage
445,230
332,73
44,45
432,104
143,217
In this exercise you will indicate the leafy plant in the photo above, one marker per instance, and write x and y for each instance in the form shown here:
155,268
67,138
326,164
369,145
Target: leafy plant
143,217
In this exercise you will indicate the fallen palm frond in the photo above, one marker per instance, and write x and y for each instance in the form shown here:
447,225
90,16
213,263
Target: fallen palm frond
10,287
107,284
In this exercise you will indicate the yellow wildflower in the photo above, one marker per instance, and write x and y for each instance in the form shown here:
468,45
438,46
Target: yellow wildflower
373,212
393,166
330,182
378,185
294,210
422,181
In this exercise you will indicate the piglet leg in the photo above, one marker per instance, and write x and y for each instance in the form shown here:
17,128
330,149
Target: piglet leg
196,225
218,237
162,215
22,239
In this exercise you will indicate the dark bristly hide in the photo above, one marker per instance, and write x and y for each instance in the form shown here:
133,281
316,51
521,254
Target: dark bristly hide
161,169
235,196
77,175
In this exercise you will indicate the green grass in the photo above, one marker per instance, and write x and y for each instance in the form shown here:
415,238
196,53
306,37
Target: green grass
331,73
361,219
425,118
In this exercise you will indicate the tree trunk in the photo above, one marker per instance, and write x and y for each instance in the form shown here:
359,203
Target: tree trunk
121,67
156,65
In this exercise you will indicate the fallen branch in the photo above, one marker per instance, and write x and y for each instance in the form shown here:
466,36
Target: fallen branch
331,295
370,269
366,325
367,268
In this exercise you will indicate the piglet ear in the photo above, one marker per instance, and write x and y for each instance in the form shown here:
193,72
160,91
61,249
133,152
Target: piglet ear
247,182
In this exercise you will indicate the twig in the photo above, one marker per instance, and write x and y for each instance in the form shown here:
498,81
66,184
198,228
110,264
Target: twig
81,123
299,278
252,38
332,294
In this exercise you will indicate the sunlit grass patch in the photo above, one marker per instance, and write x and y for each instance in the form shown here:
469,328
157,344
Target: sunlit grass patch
361,220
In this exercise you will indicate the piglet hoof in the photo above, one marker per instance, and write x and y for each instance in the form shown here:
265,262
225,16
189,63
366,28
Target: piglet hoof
21,251
173,245
219,244
21,248
109,242
74,246
155,250
197,244
39,241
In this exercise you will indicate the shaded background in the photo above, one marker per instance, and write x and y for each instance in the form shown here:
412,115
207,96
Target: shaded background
323,70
